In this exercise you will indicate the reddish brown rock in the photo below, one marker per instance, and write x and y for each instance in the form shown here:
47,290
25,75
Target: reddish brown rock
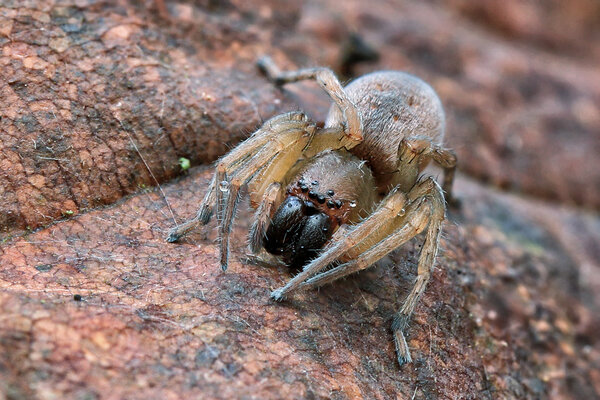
95,96
101,306
562,27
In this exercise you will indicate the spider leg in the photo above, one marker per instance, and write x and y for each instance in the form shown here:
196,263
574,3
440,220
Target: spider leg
447,160
262,217
329,82
425,210
272,133
269,165
416,219
425,267
237,180
413,154
410,152
233,160
202,216
377,224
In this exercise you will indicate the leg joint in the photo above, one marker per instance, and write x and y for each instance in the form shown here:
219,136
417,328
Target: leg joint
400,322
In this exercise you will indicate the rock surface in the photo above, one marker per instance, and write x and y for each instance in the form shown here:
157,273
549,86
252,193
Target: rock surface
95,304
101,306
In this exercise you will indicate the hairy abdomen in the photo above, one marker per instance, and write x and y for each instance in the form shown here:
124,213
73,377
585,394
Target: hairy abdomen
393,105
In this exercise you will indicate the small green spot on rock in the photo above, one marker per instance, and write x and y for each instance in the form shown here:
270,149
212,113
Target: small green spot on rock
44,267
184,163
68,212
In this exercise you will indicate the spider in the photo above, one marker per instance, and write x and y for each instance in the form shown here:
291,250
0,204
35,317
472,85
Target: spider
335,200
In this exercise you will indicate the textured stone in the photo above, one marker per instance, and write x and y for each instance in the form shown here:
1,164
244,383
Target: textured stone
509,312
97,305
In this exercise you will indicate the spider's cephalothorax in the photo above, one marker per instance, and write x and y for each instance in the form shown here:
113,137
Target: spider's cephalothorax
333,189
337,199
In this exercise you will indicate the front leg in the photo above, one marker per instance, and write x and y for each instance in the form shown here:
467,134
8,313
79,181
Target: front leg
425,210
377,225
232,161
414,222
269,165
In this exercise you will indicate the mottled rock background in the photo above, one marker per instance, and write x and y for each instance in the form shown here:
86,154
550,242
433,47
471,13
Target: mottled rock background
100,99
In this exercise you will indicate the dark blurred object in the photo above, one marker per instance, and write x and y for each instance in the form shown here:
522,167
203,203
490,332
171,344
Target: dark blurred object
354,51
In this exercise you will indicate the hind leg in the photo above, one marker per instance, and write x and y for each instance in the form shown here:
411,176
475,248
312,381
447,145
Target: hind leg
329,82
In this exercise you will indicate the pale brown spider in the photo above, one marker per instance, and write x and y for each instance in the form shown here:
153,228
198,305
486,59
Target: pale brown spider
337,199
